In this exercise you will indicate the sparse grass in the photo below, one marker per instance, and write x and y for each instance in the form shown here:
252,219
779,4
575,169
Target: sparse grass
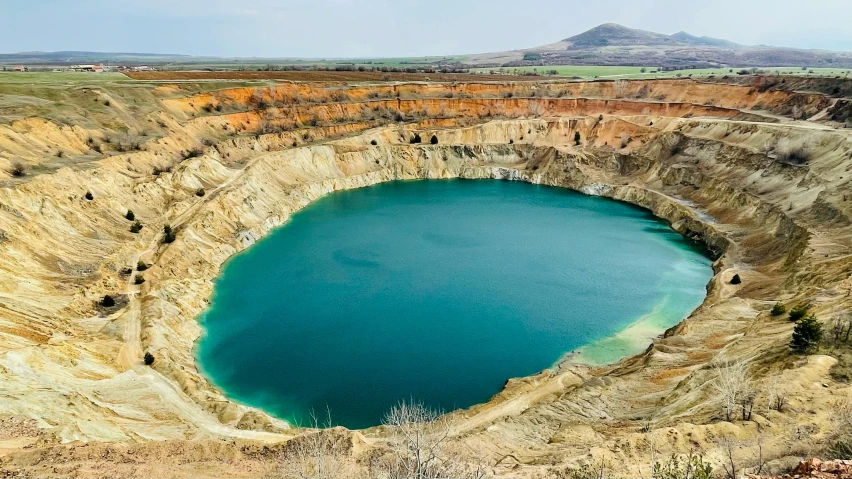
61,77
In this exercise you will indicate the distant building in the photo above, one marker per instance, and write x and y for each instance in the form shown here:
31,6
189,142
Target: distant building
87,68
20,68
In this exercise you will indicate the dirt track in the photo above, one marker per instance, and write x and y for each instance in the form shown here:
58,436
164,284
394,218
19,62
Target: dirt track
324,76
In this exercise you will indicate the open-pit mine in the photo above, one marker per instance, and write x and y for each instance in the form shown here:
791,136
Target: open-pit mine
120,204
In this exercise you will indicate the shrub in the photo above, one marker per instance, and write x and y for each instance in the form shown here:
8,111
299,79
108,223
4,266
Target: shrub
736,279
693,466
577,138
295,144
168,234
415,139
138,279
806,335
149,359
130,215
434,140
199,192
842,449
778,309
794,153
125,271
89,196
374,142
195,152
136,227
107,302
799,312
18,169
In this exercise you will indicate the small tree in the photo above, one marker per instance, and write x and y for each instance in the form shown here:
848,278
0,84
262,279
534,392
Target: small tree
806,335
139,279
141,266
107,301
415,139
136,227
374,142
89,196
149,358
434,140
168,234
130,215
736,279
199,192
778,309
577,138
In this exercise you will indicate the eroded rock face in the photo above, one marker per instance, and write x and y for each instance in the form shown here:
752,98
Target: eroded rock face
718,174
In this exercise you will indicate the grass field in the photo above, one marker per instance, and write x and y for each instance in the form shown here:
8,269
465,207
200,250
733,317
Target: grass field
401,62
23,78
635,72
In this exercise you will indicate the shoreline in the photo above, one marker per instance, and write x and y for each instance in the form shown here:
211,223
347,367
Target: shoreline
648,325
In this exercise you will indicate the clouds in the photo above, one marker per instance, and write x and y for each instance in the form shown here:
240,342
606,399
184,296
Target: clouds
340,28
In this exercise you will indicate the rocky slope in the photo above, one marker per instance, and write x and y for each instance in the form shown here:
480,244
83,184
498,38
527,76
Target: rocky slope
725,164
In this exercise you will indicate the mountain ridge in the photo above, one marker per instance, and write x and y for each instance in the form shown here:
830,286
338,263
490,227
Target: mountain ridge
612,44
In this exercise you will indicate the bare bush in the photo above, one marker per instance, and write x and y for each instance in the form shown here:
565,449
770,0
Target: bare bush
777,399
734,389
420,446
318,454
419,434
729,447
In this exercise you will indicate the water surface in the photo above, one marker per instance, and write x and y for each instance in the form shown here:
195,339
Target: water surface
439,290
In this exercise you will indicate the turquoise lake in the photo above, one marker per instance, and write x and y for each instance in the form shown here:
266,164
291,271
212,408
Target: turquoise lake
439,290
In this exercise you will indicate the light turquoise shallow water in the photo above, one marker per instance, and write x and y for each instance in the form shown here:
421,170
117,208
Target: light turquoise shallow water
439,290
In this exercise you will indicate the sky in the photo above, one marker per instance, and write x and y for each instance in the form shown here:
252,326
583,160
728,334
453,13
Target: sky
396,28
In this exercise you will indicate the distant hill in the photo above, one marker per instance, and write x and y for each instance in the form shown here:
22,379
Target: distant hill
613,44
613,34
609,44
77,57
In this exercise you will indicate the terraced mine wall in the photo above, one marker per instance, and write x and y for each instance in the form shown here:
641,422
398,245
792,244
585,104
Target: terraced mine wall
763,192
